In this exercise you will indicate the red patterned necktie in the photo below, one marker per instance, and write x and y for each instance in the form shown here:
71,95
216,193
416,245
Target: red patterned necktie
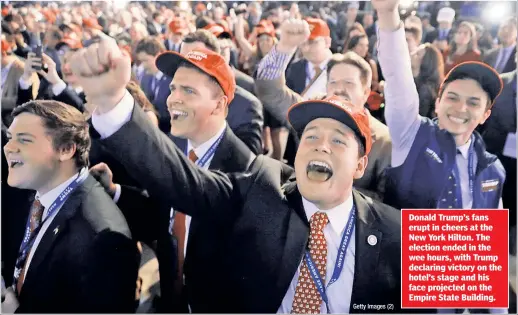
35,220
307,298
179,232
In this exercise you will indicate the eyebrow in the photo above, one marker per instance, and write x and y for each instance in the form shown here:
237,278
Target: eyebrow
20,134
472,98
182,86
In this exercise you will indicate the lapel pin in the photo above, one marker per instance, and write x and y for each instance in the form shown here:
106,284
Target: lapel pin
56,230
372,240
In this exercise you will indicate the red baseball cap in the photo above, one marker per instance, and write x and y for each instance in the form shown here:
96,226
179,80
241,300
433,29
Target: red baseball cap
178,27
485,75
218,30
318,28
334,107
207,61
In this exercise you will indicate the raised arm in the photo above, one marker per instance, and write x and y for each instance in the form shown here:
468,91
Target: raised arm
401,98
248,49
270,83
162,169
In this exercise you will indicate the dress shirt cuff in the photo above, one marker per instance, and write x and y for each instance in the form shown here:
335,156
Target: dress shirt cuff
25,85
59,87
272,65
118,192
109,123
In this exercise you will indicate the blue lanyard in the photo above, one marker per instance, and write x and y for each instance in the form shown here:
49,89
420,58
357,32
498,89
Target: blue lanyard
471,173
201,162
210,153
28,239
340,260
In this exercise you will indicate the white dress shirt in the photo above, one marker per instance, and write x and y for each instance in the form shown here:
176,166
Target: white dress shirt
340,292
46,201
310,70
200,151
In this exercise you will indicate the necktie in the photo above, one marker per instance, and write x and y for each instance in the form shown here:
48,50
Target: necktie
35,216
449,198
318,71
179,232
307,299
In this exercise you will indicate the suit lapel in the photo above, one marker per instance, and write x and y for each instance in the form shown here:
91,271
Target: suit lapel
55,229
297,234
180,143
366,255
222,153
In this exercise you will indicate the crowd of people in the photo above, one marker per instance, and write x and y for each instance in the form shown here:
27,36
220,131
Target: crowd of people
258,152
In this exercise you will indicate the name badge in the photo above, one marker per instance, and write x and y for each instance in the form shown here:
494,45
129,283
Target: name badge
490,185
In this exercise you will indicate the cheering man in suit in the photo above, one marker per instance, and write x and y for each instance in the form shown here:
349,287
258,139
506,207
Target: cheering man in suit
245,112
198,103
274,224
77,254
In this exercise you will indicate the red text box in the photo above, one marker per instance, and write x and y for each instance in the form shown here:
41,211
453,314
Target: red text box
455,258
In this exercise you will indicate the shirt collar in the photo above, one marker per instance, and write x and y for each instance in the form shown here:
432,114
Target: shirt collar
204,147
159,75
48,198
463,149
337,216
322,66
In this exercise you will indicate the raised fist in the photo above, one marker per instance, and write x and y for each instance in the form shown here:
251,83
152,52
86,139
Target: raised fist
294,32
383,6
102,69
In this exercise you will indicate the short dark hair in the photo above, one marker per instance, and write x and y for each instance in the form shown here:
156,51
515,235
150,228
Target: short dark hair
64,124
353,59
205,37
361,147
150,46
188,65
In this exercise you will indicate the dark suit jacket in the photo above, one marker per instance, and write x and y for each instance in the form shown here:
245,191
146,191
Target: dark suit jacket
296,76
149,220
86,260
167,46
263,216
160,101
245,118
492,57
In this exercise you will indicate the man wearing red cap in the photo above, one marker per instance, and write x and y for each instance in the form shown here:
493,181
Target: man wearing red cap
269,226
177,30
201,90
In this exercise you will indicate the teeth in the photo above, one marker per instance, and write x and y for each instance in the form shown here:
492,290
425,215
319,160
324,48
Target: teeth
15,162
178,112
457,120
319,163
